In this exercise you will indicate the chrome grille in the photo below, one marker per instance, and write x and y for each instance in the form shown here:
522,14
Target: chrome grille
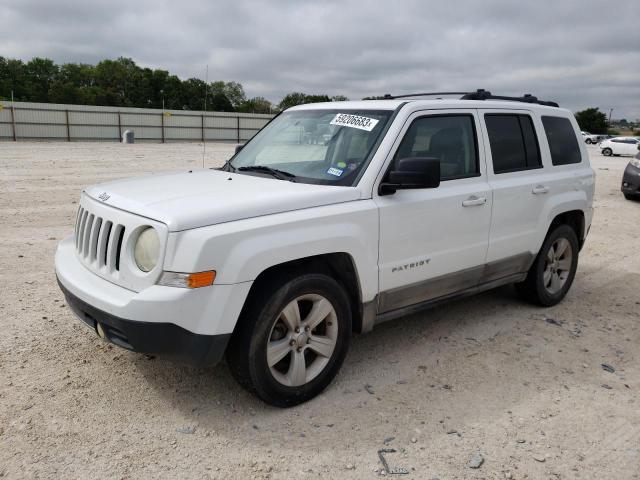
98,240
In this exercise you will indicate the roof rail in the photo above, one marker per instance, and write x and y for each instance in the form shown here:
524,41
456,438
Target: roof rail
482,94
479,94
387,96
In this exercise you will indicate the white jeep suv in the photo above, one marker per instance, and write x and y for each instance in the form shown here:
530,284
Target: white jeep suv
335,217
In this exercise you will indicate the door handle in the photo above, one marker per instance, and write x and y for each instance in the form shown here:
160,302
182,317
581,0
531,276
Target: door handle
538,189
474,201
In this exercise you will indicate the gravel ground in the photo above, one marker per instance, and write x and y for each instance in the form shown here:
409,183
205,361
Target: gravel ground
487,376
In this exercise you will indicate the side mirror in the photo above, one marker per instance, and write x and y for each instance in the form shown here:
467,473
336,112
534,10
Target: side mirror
239,147
411,173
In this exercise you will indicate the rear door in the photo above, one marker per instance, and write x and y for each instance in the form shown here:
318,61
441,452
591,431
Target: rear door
631,146
520,186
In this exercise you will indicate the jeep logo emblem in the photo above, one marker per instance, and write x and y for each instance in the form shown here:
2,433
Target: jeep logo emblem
104,196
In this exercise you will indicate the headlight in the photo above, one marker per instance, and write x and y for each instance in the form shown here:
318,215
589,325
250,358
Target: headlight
147,250
635,162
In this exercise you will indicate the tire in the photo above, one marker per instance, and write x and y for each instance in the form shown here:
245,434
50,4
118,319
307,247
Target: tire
551,275
266,355
588,141
607,152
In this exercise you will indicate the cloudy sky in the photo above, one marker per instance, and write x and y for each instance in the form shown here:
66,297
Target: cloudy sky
580,53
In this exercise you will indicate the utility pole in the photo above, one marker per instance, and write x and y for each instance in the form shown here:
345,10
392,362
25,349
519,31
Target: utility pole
206,91
610,112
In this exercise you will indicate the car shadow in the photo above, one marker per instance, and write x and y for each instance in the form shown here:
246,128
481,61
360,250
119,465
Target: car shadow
212,394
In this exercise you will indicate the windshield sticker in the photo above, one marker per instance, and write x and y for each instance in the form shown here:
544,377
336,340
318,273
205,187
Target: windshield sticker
354,121
336,172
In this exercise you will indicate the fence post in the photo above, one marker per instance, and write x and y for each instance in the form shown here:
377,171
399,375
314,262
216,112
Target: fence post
119,128
238,128
162,125
202,127
66,112
13,123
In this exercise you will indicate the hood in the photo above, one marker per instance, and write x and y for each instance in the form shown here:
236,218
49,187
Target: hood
206,197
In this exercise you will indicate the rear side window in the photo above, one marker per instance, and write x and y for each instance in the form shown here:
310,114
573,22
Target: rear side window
562,140
449,138
514,145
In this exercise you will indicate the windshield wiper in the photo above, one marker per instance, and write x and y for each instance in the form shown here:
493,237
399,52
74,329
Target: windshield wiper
227,167
279,174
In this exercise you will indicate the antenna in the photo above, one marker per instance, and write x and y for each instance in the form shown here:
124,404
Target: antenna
204,135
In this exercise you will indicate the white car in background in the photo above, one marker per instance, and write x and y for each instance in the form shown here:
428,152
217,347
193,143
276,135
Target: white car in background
620,146
590,138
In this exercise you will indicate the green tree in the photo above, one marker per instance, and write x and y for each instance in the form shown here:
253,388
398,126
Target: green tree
298,98
291,100
232,90
117,82
40,73
193,92
256,105
339,98
592,120
13,78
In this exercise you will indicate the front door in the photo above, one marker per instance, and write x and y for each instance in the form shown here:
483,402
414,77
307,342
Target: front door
434,242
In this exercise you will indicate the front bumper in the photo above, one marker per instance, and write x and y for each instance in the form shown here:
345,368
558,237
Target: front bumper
631,181
166,339
179,322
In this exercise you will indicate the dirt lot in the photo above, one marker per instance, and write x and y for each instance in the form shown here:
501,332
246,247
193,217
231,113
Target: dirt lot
523,386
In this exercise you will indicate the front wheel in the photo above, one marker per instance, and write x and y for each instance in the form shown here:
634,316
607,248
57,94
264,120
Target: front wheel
553,270
588,141
291,339
607,152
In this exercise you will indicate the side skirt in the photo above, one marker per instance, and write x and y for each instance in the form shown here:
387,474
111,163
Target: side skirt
417,307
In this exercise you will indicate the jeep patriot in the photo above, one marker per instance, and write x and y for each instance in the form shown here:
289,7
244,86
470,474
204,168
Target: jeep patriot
333,218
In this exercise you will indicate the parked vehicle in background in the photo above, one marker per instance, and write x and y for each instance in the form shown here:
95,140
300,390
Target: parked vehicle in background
590,138
631,178
334,218
619,146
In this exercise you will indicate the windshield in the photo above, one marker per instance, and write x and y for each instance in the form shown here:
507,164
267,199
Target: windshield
314,146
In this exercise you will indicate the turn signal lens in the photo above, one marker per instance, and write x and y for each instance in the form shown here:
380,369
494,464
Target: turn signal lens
187,280
202,279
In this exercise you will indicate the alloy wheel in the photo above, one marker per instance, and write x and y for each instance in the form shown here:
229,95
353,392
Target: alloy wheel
302,340
557,265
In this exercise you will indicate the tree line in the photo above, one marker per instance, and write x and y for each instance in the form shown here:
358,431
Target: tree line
122,83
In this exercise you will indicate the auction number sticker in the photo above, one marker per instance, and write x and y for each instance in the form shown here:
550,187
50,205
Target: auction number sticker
354,121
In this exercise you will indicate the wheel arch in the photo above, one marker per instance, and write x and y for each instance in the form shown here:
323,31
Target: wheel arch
573,218
340,266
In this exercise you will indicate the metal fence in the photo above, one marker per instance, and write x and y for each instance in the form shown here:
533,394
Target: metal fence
47,121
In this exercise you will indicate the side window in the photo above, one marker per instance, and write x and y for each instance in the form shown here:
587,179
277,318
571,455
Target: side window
562,140
449,138
514,145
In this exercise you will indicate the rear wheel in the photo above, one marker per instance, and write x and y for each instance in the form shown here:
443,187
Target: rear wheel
553,270
588,141
291,339
607,152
